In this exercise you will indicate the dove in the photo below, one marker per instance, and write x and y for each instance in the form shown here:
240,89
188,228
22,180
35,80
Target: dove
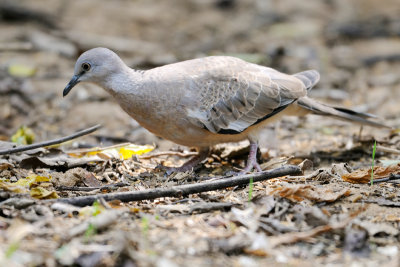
206,101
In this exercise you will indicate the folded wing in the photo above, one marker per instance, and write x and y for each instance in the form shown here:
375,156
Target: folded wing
234,100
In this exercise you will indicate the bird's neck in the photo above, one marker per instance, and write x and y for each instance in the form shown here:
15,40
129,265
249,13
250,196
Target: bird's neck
127,88
123,82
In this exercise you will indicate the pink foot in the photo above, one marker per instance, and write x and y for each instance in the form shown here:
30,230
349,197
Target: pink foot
252,160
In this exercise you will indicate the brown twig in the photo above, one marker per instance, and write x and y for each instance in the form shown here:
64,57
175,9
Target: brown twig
210,206
50,142
168,153
182,190
95,149
391,178
387,149
91,188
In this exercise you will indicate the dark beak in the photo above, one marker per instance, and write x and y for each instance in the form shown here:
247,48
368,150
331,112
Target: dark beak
74,81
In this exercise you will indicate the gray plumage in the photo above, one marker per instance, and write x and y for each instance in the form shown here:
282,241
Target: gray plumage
202,102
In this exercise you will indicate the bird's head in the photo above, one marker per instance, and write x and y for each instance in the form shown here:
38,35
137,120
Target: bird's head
95,66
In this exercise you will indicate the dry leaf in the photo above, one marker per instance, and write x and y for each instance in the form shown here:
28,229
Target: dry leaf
22,186
363,176
63,161
301,192
42,193
4,164
293,237
12,187
90,180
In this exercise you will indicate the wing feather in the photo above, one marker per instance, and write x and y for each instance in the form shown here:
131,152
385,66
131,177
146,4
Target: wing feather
240,94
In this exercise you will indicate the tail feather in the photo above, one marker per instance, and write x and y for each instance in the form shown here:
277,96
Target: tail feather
356,113
340,113
308,77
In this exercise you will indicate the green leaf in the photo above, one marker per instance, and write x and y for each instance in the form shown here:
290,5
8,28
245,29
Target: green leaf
90,231
23,136
11,249
145,226
97,208
250,189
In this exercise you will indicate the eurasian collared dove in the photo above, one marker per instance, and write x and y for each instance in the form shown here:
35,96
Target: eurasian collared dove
206,101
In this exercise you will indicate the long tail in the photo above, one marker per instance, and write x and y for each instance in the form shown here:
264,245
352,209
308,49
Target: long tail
340,113
309,79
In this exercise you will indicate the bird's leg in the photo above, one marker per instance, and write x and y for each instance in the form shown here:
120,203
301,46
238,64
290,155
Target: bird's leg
252,159
190,164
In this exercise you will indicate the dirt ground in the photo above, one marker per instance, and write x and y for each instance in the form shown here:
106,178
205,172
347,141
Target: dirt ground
316,219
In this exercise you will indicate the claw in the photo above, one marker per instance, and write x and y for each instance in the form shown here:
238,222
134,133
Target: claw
252,160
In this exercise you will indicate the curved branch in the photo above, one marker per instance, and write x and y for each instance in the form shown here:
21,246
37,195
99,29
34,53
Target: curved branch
50,142
182,190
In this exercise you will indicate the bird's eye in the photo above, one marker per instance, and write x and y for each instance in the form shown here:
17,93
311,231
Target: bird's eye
86,66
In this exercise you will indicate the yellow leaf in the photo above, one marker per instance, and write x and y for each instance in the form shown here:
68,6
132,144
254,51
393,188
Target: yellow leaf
31,179
395,131
42,193
23,136
12,187
122,151
21,71
128,151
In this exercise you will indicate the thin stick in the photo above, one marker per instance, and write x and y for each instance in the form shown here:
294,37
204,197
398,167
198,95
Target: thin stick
90,188
168,153
95,149
390,178
388,150
51,142
182,190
